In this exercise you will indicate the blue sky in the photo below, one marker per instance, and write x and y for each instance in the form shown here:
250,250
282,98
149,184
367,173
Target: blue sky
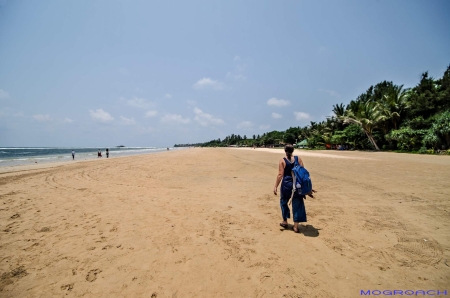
156,73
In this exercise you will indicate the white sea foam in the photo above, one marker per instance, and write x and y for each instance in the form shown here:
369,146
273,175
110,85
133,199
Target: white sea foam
29,155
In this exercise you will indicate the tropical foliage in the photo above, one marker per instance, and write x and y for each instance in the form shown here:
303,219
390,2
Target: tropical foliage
386,116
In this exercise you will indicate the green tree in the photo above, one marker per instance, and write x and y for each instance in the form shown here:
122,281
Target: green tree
439,133
395,103
407,138
367,116
339,110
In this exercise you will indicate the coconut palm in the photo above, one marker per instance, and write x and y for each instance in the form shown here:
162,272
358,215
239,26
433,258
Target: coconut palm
395,103
367,115
339,110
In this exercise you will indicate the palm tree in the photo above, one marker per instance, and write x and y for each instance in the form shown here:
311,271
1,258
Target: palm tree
339,110
367,115
395,103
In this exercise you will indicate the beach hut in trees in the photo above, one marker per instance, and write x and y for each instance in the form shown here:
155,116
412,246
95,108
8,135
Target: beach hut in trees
303,143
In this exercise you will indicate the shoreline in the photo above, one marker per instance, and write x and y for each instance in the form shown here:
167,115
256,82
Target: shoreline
57,163
62,161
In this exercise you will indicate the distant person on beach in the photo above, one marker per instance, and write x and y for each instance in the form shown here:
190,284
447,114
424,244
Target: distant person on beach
73,154
99,153
107,153
284,176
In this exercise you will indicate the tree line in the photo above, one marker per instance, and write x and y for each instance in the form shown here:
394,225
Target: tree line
386,116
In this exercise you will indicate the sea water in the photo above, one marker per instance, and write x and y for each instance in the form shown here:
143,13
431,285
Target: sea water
10,156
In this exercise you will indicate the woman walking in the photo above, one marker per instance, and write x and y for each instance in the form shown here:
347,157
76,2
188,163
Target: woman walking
284,176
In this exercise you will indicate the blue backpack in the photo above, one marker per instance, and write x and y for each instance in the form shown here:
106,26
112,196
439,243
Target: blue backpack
299,181
302,180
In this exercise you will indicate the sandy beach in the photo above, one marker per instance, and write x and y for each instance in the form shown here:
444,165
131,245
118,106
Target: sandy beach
204,223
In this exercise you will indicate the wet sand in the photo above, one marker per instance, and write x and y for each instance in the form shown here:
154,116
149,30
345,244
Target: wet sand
204,223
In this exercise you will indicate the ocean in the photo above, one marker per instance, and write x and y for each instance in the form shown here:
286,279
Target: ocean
11,156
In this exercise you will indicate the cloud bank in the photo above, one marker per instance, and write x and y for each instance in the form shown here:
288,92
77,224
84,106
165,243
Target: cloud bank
128,121
174,118
101,116
41,118
276,116
275,102
150,114
205,119
302,116
141,103
208,83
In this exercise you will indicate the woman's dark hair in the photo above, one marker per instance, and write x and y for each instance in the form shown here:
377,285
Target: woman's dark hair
289,149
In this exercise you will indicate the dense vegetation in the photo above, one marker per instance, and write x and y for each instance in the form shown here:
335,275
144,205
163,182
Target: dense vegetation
386,116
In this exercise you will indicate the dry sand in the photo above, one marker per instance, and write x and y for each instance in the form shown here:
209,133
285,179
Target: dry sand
204,223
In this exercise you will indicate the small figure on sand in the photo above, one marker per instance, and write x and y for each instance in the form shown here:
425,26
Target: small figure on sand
167,149
107,153
73,154
284,176
99,153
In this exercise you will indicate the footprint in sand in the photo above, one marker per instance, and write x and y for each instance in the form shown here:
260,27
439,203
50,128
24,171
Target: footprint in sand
67,287
92,275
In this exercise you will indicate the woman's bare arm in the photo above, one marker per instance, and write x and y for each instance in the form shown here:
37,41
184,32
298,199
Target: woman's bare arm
300,161
281,166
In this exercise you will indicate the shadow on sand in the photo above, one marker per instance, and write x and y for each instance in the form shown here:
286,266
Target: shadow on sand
306,230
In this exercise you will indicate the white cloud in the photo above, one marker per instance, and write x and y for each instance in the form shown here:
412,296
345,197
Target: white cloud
237,58
41,118
141,103
264,126
151,114
245,124
206,119
168,95
302,116
101,116
276,116
174,118
277,102
191,102
127,121
3,94
331,92
208,83
67,120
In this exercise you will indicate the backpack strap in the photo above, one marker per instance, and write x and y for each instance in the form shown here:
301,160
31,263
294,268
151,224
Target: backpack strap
292,173
296,163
